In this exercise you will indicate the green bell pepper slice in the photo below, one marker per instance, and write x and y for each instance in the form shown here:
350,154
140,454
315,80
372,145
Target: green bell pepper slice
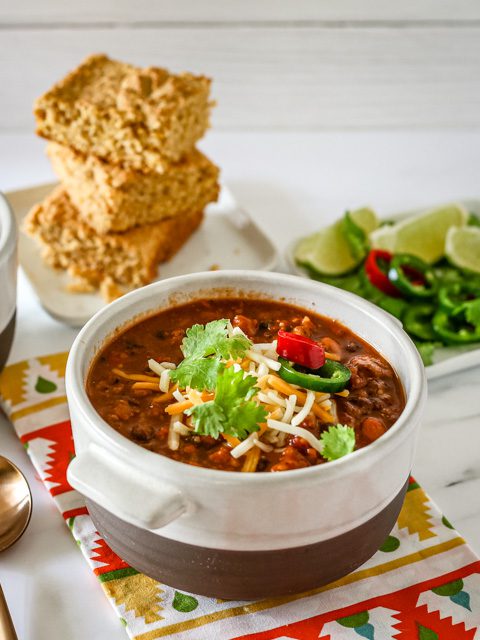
454,329
402,271
331,378
417,321
453,296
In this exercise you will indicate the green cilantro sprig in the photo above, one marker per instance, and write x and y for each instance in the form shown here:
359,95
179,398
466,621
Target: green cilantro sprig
232,411
338,440
203,348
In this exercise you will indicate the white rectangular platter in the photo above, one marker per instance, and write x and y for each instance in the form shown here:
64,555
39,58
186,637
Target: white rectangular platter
227,239
446,360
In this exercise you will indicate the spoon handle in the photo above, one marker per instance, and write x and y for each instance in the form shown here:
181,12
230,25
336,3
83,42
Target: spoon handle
7,631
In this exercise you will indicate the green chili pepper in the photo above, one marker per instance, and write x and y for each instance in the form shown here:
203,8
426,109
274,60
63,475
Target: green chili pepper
456,294
405,269
394,306
454,329
332,377
417,320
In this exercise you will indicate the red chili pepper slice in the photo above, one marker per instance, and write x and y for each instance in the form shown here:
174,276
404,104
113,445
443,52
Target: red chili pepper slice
300,350
375,274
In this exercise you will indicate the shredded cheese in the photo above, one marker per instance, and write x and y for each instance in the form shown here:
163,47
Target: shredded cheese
173,440
262,445
265,346
145,385
307,407
195,397
164,383
178,395
284,387
156,367
178,407
165,396
232,440
291,403
297,431
251,462
262,370
276,414
244,446
139,377
180,428
259,359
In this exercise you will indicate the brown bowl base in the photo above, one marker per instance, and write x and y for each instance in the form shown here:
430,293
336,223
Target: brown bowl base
245,575
6,339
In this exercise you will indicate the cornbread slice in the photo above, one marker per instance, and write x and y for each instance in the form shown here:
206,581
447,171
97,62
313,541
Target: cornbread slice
110,198
140,118
113,262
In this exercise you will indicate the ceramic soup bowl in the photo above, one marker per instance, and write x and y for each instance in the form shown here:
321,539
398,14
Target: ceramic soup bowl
8,278
238,535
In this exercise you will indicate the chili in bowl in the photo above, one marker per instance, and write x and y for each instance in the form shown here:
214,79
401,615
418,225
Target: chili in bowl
244,385
243,434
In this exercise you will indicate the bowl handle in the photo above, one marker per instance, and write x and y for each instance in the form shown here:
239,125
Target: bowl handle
123,490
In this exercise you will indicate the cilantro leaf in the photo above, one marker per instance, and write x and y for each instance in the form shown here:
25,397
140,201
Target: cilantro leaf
233,347
198,373
212,339
209,419
203,346
200,340
338,441
245,419
232,411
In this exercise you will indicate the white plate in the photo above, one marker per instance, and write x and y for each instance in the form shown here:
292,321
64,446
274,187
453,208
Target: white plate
446,359
227,239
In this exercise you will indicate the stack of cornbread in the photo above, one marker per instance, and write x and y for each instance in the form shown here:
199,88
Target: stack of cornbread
133,185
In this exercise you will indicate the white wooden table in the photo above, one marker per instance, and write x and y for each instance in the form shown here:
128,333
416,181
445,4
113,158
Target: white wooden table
291,183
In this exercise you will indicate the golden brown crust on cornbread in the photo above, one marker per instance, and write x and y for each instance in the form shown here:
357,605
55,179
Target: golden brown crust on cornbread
110,198
141,118
113,262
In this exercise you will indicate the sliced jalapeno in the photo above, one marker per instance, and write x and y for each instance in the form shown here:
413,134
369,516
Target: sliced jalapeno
454,329
412,276
332,377
450,297
417,320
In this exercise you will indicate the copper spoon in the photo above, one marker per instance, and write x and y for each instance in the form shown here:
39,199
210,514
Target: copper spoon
15,512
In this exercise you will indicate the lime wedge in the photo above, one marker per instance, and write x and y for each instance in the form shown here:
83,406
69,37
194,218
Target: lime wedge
365,218
422,235
383,238
462,248
326,252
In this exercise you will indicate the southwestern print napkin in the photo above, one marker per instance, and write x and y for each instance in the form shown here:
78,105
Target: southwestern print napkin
423,584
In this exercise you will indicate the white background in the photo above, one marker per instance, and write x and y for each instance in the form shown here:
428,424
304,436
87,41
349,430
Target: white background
321,106
277,64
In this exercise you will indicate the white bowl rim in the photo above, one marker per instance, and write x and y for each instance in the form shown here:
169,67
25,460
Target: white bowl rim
8,230
76,389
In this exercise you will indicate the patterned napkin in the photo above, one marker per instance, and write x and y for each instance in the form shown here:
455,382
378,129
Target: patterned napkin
424,582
